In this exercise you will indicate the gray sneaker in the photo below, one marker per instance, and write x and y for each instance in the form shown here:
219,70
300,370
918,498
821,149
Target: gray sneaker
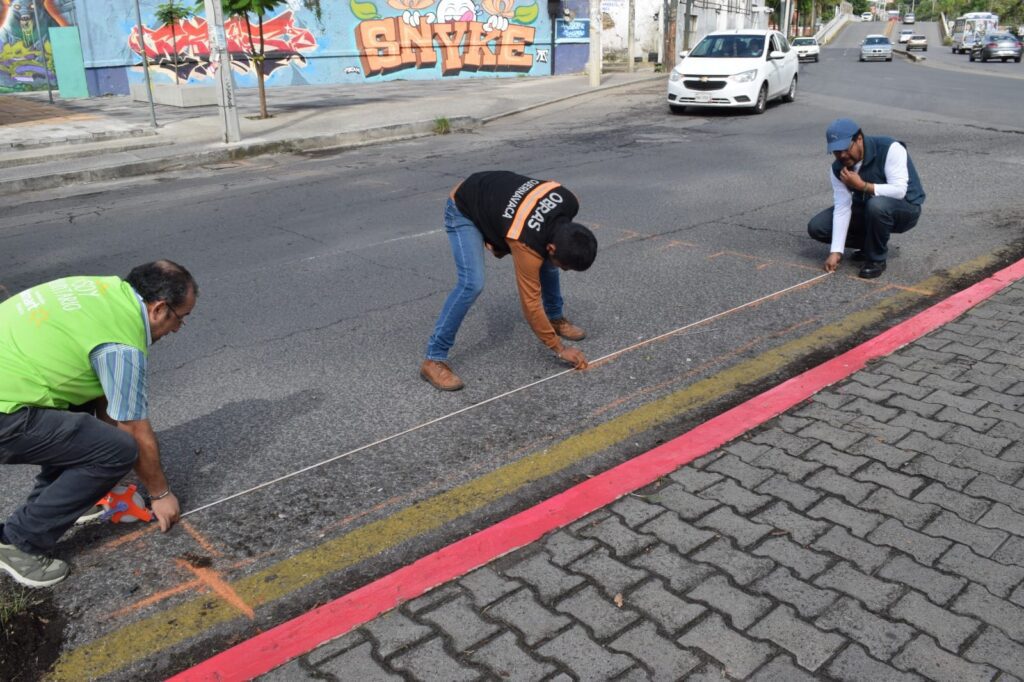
33,570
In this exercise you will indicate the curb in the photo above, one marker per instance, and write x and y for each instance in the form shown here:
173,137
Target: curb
217,152
495,117
76,150
83,138
911,56
275,647
213,153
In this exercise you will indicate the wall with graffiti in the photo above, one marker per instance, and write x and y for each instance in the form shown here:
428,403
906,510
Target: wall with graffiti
26,58
353,41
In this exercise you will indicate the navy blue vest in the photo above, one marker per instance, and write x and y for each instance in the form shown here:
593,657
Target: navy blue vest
872,168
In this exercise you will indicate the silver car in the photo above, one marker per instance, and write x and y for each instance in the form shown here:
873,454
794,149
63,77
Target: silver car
1002,46
917,42
876,47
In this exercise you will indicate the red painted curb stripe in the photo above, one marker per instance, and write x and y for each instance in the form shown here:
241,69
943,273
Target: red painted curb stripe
304,633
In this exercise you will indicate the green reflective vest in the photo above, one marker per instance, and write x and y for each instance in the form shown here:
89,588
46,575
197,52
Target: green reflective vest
48,331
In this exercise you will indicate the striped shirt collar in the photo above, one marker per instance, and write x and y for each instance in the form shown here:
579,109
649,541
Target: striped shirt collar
145,318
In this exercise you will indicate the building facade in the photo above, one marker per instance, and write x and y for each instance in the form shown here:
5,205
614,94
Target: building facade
362,41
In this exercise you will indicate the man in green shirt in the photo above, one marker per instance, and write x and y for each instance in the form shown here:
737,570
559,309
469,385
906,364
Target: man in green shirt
73,362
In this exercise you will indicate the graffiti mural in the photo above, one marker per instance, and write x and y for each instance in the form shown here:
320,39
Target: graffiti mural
450,40
187,48
26,57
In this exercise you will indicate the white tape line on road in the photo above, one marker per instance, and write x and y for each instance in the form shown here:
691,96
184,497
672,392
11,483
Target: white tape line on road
492,399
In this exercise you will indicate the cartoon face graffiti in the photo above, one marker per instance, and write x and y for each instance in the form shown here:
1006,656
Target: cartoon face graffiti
27,25
411,14
20,24
500,12
456,10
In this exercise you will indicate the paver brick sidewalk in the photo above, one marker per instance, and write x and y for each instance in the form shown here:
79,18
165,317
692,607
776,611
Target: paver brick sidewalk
873,533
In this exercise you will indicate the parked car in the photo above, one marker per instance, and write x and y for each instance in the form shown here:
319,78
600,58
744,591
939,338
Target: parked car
909,18
806,48
917,42
737,68
866,16
1001,46
905,34
876,47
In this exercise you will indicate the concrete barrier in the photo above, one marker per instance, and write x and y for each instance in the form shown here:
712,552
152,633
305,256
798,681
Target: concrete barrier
829,30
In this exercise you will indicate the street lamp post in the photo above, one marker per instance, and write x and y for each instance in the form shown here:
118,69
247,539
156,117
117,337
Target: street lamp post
145,63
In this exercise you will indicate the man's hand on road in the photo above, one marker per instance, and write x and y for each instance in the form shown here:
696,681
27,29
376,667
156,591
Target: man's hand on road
574,356
167,512
852,180
832,262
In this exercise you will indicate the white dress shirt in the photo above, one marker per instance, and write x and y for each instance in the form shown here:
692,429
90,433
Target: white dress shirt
897,178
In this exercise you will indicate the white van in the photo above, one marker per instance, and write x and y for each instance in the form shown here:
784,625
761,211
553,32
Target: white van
866,16
972,24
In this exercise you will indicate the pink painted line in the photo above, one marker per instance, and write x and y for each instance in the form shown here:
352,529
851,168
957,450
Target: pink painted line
304,633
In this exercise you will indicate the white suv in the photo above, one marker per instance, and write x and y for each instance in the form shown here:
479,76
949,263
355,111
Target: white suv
738,68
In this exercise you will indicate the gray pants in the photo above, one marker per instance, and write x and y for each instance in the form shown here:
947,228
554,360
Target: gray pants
81,457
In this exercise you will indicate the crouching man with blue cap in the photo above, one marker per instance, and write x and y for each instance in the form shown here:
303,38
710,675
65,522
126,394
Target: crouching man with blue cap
876,192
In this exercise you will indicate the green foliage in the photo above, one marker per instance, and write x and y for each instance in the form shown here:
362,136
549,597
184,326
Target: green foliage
527,14
14,601
171,12
442,126
1011,12
363,10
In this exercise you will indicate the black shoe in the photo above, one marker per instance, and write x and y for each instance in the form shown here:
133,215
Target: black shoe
858,257
872,270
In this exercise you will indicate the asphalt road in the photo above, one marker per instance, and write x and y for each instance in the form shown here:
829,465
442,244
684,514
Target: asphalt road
321,277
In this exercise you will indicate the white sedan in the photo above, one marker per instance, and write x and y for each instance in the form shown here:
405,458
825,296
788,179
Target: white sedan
806,48
905,34
737,68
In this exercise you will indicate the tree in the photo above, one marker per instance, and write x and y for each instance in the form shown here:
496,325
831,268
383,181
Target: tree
243,8
169,14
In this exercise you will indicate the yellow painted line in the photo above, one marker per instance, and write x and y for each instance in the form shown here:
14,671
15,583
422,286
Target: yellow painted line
151,635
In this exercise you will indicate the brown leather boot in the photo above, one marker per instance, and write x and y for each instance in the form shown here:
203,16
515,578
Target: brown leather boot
440,375
567,330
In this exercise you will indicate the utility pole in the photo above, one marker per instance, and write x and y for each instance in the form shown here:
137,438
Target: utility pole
631,36
595,43
688,24
219,53
145,63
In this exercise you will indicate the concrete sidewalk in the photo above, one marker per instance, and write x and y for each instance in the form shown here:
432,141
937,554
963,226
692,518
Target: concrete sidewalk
872,533
111,137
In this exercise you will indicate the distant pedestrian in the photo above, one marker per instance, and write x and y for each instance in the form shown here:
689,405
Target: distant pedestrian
532,219
876,192
73,369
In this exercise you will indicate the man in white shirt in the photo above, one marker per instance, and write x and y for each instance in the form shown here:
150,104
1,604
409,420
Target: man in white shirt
876,191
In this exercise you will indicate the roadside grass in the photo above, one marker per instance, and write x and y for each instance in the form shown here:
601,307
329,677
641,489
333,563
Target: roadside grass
14,601
31,631
442,126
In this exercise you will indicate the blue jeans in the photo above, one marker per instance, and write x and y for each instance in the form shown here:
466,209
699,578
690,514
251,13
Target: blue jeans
468,251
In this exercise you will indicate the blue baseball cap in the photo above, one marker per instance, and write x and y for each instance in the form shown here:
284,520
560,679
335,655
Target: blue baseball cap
840,134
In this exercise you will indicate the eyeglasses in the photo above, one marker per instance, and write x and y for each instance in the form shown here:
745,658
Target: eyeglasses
179,318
